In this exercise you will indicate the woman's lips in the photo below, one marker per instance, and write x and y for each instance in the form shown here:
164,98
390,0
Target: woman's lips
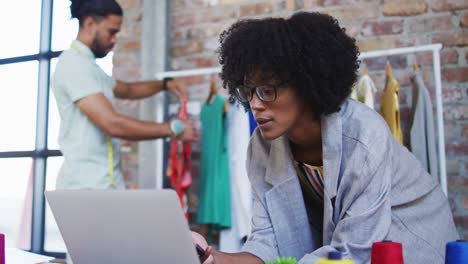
263,122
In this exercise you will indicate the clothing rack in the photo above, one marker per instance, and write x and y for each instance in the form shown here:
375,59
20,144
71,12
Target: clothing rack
434,48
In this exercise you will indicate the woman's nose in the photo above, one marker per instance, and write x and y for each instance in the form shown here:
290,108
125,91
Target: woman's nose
256,103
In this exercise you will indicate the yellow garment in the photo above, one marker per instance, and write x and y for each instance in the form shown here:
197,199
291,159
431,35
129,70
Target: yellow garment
390,106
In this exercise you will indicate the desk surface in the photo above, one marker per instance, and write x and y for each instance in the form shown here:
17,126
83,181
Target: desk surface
18,256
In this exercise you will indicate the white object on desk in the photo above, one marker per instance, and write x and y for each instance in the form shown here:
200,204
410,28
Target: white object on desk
18,256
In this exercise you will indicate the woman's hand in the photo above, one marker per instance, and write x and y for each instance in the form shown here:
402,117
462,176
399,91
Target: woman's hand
198,239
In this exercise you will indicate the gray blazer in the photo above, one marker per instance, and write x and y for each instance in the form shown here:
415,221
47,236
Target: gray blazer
374,190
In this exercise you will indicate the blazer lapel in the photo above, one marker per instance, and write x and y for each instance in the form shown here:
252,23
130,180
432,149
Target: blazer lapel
331,151
287,211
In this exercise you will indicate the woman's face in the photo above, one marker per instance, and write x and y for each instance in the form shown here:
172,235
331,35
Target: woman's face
280,116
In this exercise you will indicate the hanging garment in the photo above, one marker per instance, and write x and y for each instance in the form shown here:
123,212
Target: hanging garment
238,131
214,202
179,170
390,105
253,123
422,139
364,91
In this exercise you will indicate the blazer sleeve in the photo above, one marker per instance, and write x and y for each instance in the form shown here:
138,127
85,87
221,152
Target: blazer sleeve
261,242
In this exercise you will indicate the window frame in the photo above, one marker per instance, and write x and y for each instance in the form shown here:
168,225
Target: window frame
40,153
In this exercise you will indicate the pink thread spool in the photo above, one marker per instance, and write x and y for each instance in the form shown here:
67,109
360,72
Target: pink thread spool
2,248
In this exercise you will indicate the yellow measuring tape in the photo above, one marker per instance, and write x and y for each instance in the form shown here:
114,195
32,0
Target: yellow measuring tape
110,156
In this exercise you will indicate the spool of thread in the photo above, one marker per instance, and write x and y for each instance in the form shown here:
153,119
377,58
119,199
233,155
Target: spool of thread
334,257
2,248
456,252
387,252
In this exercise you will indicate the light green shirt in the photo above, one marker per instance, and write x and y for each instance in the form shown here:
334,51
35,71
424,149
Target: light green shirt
84,146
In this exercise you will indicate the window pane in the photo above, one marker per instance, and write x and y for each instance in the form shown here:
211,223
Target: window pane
15,182
64,29
54,118
18,105
53,240
19,24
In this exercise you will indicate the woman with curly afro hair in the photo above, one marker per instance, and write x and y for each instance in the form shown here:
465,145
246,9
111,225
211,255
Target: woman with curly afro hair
326,173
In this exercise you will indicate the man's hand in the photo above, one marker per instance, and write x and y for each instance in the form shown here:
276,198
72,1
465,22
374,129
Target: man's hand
177,88
189,134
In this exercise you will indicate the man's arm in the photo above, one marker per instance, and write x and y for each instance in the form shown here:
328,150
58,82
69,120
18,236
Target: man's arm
100,111
138,90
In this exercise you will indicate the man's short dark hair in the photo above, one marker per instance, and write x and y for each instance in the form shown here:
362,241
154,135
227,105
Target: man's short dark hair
98,9
309,51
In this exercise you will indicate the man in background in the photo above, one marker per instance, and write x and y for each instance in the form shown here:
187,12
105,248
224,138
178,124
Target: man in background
85,95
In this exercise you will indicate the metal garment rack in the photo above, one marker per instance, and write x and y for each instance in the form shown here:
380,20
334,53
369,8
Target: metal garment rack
434,48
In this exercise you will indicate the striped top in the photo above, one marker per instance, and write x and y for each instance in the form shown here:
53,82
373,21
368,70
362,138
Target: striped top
311,178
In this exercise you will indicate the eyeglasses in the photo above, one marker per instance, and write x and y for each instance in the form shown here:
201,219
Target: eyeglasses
266,93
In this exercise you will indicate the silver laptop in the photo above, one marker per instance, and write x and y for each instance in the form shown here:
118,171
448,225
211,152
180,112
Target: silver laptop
137,226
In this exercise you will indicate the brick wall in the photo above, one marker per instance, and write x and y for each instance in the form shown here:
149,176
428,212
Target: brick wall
127,67
376,24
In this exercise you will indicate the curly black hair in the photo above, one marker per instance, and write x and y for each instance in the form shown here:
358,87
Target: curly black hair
309,51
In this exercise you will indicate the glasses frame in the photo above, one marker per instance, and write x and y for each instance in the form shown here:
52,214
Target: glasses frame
255,89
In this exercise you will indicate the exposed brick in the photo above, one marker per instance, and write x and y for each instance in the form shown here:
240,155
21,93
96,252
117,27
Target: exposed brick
294,4
178,35
230,2
218,14
455,74
123,59
127,4
351,13
451,93
185,19
191,48
465,131
405,8
451,133
202,62
376,44
353,29
465,202
461,221
456,112
452,167
449,5
464,20
430,24
377,28
449,39
457,181
334,2
131,45
203,32
256,9
177,5
447,56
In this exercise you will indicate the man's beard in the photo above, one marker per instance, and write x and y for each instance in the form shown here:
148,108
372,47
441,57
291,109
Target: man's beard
99,50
